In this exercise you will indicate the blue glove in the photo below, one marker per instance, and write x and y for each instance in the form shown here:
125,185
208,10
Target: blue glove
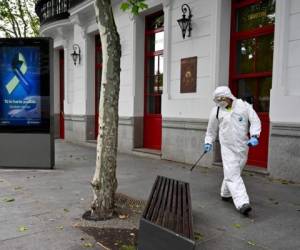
252,142
207,147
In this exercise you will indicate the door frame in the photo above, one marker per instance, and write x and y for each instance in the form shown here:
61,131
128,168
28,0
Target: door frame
61,94
151,120
98,48
236,36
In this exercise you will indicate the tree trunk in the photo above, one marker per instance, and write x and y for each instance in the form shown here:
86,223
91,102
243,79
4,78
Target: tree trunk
104,182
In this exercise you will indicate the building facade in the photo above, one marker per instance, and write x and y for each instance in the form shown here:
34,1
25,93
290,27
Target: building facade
167,81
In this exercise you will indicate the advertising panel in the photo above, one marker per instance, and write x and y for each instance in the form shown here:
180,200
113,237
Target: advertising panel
26,103
24,96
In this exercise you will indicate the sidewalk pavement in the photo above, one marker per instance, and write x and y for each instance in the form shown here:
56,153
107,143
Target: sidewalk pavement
47,203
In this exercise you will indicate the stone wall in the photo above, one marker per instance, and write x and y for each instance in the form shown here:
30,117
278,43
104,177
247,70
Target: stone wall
284,151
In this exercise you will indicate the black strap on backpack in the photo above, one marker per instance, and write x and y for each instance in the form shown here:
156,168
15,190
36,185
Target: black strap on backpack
217,115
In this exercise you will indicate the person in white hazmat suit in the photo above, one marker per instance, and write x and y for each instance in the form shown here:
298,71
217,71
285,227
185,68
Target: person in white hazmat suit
233,118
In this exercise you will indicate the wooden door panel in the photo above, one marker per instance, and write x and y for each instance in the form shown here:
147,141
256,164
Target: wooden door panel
98,75
61,95
258,155
153,85
152,132
251,60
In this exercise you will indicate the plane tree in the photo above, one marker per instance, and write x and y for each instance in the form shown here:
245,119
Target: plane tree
18,19
104,182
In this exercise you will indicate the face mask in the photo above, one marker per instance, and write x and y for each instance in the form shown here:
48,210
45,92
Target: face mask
223,104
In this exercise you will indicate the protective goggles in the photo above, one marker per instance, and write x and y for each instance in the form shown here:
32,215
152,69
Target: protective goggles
220,98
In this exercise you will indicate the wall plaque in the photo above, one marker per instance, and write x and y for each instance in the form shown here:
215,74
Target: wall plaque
188,79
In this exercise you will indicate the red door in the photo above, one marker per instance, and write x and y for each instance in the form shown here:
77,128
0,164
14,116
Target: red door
251,60
61,95
98,74
154,45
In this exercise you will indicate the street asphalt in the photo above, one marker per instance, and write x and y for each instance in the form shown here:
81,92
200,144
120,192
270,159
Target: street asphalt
39,209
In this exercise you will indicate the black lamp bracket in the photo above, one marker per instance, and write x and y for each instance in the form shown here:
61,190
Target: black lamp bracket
184,9
185,22
76,53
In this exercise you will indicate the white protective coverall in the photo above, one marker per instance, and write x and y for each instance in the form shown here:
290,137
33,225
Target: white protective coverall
233,126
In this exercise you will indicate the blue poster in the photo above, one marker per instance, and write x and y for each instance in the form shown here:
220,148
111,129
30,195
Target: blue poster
20,100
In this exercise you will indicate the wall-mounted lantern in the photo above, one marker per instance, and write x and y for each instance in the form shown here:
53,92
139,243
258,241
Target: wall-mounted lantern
76,54
185,22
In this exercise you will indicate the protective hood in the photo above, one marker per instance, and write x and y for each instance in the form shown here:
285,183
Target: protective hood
223,91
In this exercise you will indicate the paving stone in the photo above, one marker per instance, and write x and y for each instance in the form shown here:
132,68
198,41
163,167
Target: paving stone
274,222
228,242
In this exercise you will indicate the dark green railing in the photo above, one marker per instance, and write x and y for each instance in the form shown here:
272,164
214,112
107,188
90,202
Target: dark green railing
54,10
75,2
